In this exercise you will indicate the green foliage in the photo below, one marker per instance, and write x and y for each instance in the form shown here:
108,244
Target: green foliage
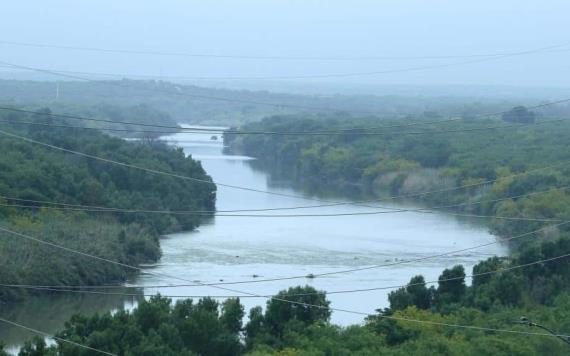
423,326
27,262
33,172
451,286
232,315
280,313
415,293
281,318
397,162
493,300
156,327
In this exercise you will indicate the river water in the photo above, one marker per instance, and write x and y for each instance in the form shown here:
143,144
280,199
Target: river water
229,249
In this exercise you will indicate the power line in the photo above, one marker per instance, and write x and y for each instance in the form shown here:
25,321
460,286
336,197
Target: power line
179,92
35,331
158,172
76,289
210,130
230,131
81,289
250,57
176,93
299,133
153,171
95,208
423,210
419,259
311,275
525,321
442,323
400,262
144,169
28,237
393,197
354,131
356,74
231,213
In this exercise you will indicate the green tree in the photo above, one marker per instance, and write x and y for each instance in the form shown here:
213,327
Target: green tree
451,287
307,306
232,315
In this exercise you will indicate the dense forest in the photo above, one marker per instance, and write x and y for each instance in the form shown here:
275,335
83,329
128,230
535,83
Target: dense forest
461,162
493,300
31,174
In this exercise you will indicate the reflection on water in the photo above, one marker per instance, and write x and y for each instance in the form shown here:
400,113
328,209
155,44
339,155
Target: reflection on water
49,313
237,248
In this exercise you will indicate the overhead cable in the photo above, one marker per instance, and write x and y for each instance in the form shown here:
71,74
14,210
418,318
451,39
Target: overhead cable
280,299
88,289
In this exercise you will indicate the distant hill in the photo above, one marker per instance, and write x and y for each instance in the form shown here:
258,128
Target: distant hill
193,104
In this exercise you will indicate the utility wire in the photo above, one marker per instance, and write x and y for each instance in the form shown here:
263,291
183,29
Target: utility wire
419,259
221,131
526,321
153,171
393,197
250,57
511,218
355,131
300,133
144,169
158,172
360,74
308,305
178,92
316,275
81,289
231,213
35,331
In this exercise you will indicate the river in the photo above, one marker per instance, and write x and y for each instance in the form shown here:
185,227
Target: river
229,249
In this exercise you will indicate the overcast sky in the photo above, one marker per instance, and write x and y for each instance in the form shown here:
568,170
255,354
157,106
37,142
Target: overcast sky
298,28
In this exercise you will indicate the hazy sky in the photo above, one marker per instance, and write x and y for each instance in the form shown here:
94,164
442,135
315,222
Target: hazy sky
297,28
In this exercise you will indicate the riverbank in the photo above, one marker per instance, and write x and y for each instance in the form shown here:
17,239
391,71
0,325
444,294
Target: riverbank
57,197
513,172
237,248
233,248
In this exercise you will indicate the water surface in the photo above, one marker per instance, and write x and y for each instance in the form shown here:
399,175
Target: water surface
237,248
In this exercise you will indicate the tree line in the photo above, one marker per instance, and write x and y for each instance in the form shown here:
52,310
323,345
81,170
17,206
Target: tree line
462,162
